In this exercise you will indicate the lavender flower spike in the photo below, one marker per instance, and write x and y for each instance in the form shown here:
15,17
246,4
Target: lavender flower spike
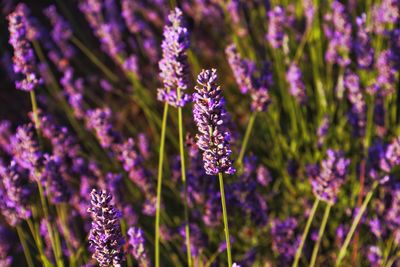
297,88
210,116
105,236
24,57
174,66
136,243
327,180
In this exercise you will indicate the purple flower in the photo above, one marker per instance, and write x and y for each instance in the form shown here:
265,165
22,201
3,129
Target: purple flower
25,148
297,88
322,130
327,179
374,256
386,12
276,24
24,57
309,11
61,31
357,115
263,176
210,116
198,240
73,89
284,239
7,244
105,235
362,44
385,82
338,31
15,192
56,185
242,69
173,65
392,156
137,246
5,136
99,120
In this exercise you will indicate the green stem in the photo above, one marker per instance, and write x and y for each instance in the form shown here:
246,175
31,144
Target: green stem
354,225
25,248
94,59
183,174
246,137
305,232
225,215
320,234
159,185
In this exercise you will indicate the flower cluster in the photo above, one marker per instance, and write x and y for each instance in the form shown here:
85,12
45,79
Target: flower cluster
173,65
24,57
211,116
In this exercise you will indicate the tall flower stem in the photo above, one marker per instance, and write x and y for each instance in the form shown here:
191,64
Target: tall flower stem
246,137
305,232
183,175
94,59
25,247
225,216
354,225
159,184
320,234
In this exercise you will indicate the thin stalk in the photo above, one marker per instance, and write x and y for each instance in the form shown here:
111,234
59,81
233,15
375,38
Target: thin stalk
94,59
354,225
320,234
183,174
305,232
225,215
246,137
35,110
25,248
159,185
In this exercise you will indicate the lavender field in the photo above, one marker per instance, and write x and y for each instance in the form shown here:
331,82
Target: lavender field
199,133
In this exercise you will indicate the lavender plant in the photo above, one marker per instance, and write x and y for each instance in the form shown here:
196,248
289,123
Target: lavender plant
113,158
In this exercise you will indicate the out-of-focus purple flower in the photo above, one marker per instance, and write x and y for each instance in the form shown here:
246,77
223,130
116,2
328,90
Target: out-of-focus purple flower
61,31
322,131
392,156
338,31
99,120
6,245
25,148
56,185
137,246
105,235
74,92
5,136
24,57
276,24
376,227
15,191
392,217
309,11
198,241
374,256
210,116
395,48
173,65
263,176
328,178
386,73
297,88
386,12
242,69
362,44
357,115
132,163
143,144
284,239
